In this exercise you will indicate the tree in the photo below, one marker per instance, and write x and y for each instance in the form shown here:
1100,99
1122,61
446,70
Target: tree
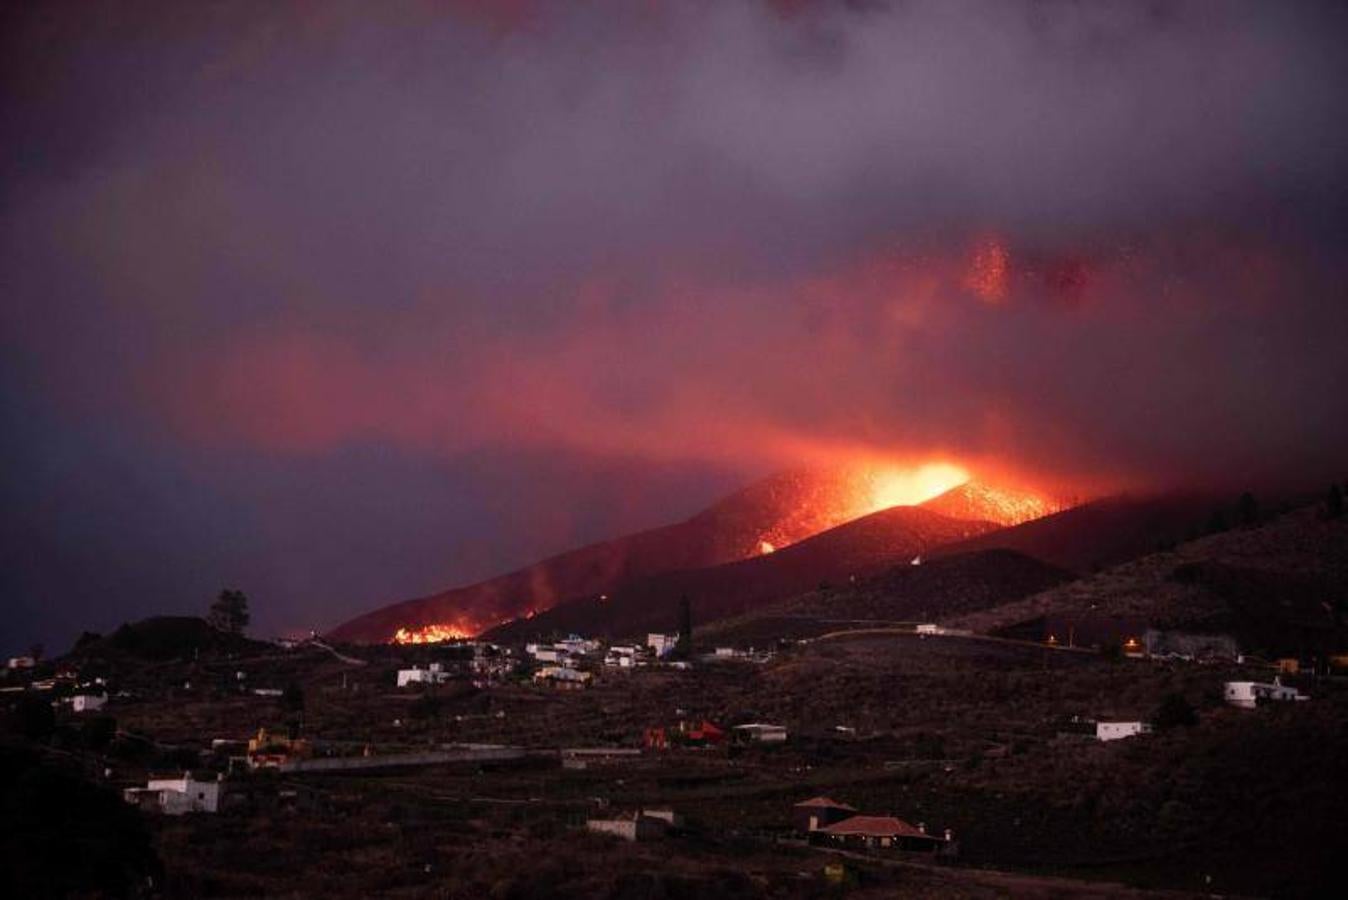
1249,509
34,718
292,698
229,612
1334,502
684,648
1174,712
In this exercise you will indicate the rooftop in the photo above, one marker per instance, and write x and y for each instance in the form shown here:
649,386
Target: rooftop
874,826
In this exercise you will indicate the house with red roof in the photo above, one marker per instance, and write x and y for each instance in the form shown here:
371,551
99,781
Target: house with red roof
882,833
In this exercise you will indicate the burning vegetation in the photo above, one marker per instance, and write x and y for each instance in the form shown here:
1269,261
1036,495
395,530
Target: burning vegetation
431,634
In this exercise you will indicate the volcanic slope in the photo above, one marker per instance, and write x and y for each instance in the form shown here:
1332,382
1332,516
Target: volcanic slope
935,590
781,510
983,501
1278,587
1100,533
857,549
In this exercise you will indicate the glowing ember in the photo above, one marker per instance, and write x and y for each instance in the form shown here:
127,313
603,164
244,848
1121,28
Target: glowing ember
428,634
766,547
989,271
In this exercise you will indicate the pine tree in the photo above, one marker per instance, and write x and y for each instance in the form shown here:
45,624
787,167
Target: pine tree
229,612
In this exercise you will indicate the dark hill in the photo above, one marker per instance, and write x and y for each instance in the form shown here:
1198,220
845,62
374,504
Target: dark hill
930,592
782,510
1100,533
1279,587
166,637
857,549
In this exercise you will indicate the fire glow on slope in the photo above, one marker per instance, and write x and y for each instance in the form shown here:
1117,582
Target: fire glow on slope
860,490
429,634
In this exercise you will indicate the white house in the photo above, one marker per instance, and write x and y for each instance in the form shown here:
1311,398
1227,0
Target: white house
436,674
761,732
621,656
1115,731
178,795
22,662
662,644
87,702
1249,694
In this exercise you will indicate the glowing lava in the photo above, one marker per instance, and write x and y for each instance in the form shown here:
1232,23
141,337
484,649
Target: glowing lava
886,487
429,634
766,547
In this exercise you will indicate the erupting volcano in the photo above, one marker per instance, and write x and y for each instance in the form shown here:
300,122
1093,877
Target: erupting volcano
763,518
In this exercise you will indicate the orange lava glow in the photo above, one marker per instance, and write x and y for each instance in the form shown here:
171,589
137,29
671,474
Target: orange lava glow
886,487
429,634
766,547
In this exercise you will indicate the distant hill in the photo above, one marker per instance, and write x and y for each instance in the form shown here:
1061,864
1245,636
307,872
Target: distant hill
1281,586
1100,533
166,637
770,514
857,549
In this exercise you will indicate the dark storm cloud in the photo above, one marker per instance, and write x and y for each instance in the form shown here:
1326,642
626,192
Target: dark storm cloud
240,240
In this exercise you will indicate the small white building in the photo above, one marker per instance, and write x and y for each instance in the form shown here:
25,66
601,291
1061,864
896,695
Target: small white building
1116,731
180,794
662,644
21,662
1249,694
929,628
622,656
761,732
436,674
87,702
641,826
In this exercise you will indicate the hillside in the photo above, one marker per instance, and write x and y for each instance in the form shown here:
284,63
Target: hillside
1100,533
769,514
857,549
1279,587
980,500
934,590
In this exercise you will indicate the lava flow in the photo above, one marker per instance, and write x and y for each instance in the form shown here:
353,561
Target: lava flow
429,634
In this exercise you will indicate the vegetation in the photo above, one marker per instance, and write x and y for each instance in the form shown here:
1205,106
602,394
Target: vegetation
229,612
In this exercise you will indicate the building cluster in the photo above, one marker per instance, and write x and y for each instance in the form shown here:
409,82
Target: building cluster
483,662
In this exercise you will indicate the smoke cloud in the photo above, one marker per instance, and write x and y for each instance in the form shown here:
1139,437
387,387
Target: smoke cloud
343,304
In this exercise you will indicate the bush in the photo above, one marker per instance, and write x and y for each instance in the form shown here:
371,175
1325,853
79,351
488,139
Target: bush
1174,712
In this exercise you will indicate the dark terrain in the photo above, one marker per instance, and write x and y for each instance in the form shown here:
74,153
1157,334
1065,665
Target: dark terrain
974,733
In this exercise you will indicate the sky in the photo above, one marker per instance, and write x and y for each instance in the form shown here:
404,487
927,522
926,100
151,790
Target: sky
344,303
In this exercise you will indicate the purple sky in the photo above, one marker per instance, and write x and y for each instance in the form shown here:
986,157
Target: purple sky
344,303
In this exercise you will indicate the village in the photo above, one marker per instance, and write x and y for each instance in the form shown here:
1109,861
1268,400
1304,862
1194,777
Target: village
867,747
